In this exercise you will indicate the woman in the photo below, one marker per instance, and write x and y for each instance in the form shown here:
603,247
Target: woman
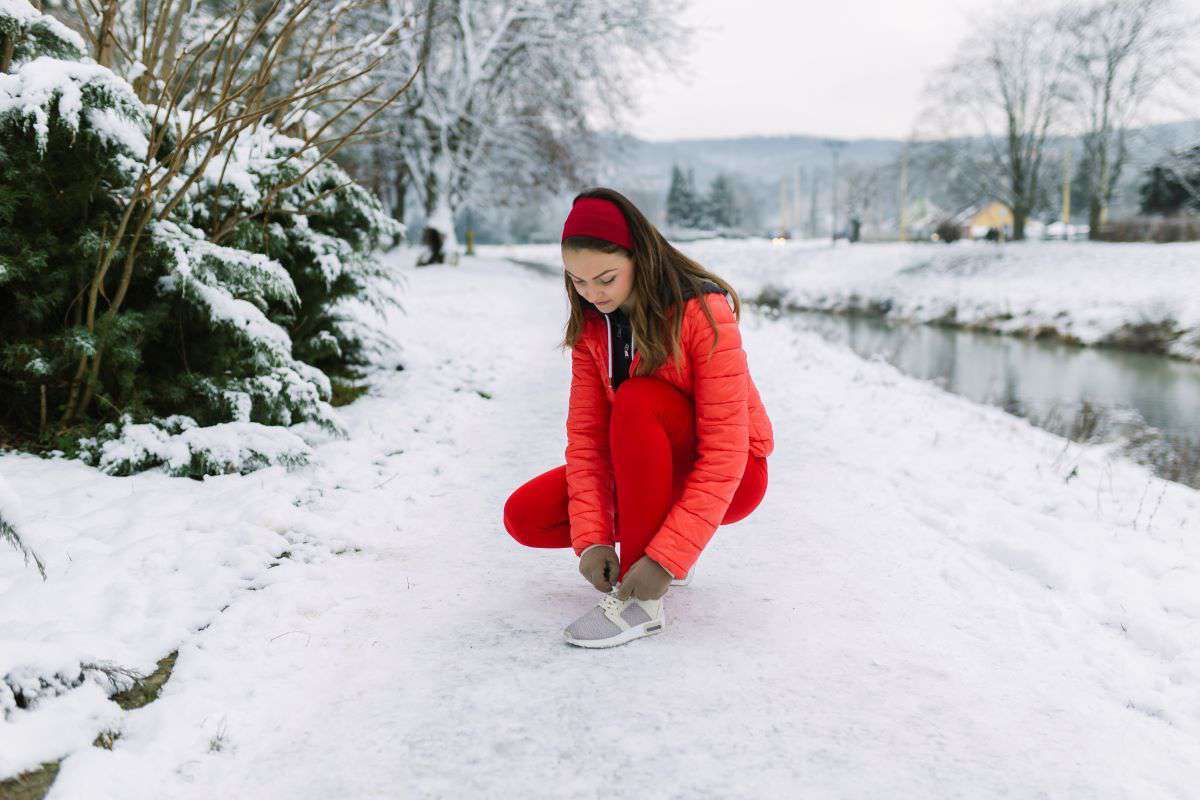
667,437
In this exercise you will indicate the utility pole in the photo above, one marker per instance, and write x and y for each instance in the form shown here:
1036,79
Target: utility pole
1066,191
783,209
796,202
904,193
812,205
834,147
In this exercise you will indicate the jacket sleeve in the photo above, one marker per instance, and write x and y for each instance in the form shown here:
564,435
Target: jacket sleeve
722,439
589,467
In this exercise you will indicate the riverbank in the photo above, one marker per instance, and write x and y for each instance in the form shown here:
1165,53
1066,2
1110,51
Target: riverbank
1142,403
935,599
1136,296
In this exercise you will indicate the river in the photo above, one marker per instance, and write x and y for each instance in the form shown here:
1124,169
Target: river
1056,385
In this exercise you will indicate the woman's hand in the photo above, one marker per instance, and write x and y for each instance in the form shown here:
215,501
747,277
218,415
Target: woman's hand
645,580
600,566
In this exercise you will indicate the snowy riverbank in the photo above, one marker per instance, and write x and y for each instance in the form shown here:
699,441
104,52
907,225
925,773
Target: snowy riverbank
1141,296
935,599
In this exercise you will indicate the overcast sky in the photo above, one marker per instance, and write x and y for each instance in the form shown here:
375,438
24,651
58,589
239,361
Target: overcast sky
847,68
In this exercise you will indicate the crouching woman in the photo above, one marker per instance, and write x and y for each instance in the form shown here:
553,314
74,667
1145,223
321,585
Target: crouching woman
667,437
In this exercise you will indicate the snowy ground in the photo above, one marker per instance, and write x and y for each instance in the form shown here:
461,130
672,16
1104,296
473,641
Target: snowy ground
1123,294
935,599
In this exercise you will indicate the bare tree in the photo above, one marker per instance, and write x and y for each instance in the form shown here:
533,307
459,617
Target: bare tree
864,188
1121,53
506,91
996,102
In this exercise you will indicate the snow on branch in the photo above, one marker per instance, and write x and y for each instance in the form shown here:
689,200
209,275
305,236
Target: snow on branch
71,92
181,448
34,34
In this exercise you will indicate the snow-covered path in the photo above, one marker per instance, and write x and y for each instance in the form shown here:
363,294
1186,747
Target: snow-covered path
934,600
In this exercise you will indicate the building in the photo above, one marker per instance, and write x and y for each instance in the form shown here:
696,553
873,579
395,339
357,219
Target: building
978,219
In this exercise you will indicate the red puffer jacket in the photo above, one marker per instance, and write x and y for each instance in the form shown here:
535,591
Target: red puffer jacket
730,422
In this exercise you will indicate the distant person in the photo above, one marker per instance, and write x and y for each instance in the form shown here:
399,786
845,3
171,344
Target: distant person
667,437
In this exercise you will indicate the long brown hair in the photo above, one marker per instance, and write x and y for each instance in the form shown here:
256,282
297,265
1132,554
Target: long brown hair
660,275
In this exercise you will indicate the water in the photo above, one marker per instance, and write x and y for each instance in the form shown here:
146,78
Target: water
1041,379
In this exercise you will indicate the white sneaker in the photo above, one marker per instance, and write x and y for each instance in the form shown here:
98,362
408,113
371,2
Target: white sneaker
613,621
686,579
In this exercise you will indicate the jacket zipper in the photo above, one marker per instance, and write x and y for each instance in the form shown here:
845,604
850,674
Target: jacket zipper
608,346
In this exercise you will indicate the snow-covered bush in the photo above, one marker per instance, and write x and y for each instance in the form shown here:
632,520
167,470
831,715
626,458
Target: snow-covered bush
180,447
36,34
234,363
220,299
315,221
72,139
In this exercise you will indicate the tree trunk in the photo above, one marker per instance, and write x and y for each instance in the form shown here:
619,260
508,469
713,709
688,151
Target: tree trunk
1019,217
104,38
6,52
431,242
398,206
438,239
1095,217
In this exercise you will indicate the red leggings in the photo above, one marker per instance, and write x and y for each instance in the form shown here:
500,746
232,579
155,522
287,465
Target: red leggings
652,445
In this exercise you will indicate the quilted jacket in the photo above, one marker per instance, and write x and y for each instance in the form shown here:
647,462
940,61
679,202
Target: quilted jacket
731,423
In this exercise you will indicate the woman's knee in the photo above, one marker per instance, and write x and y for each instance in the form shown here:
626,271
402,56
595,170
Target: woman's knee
515,519
531,513
750,491
520,517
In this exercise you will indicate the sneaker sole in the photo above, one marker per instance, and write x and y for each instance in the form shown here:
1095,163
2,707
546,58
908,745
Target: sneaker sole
628,635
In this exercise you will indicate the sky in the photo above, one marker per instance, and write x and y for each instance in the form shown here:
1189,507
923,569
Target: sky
847,69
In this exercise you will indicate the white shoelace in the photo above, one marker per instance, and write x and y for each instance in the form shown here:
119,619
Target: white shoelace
612,605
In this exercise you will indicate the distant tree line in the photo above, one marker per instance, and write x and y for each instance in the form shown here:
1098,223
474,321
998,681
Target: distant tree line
688,208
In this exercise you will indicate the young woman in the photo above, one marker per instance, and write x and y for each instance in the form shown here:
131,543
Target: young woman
667,437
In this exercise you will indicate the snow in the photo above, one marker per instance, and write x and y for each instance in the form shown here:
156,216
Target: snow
255,160
10,504
935,599
12,520
23,14
20,11
116,128
1092,292
34,86
194,261
240,446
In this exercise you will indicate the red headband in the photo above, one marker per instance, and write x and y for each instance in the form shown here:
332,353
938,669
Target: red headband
600,219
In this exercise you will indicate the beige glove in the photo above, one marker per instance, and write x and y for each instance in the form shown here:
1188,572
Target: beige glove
645,580
600,566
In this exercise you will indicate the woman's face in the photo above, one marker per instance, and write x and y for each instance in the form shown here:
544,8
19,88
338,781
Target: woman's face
603,279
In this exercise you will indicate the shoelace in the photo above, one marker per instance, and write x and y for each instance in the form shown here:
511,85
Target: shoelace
610,602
